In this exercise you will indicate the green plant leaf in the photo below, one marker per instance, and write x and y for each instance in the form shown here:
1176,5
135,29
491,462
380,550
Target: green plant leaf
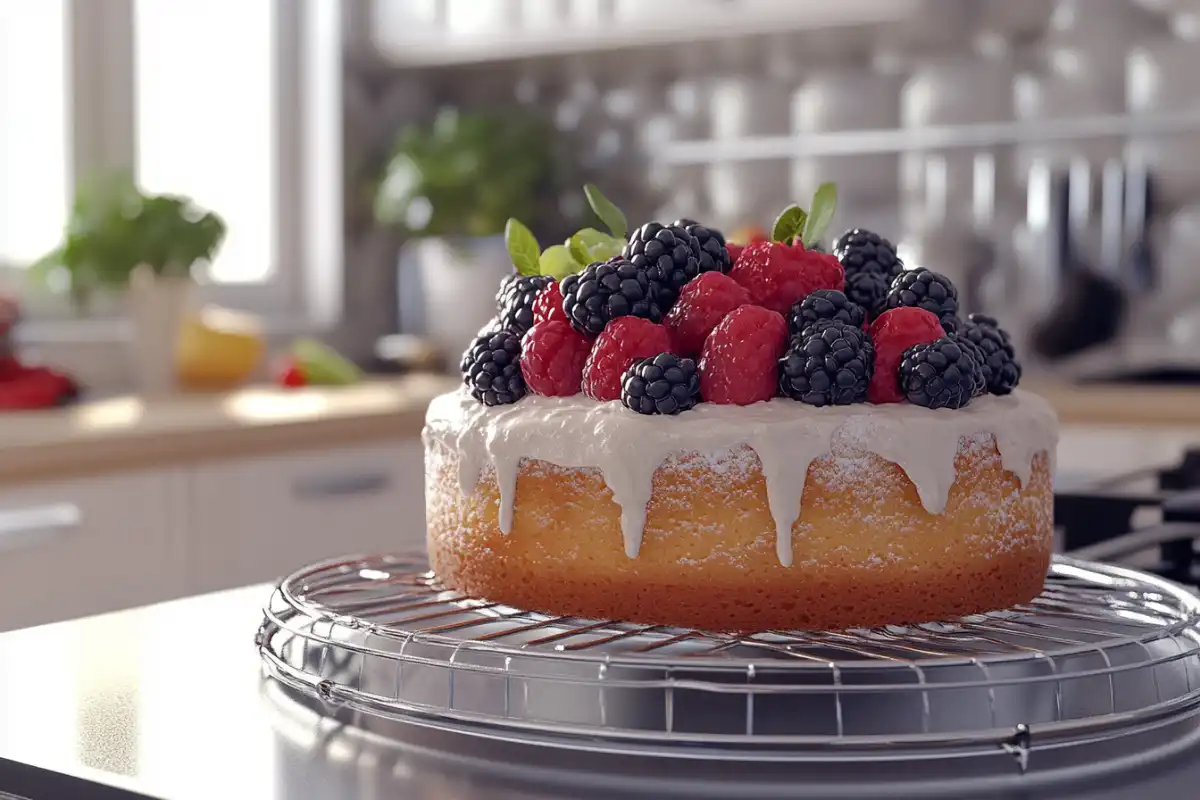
522,247
608,213
789,224
558,262
824,205
590,245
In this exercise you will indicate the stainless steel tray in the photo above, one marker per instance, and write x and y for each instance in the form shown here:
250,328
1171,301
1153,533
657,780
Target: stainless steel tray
1106,658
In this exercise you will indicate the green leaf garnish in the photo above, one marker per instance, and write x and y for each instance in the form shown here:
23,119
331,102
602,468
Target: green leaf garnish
824,204
608,213
789,224
522,247
557,262
589,245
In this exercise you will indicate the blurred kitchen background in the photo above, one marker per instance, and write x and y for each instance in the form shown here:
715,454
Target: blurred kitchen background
363,157
1041,153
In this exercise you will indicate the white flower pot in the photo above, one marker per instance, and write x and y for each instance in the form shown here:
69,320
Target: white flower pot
157,307
459,281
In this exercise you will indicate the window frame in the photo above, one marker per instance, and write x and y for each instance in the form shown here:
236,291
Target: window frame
302,290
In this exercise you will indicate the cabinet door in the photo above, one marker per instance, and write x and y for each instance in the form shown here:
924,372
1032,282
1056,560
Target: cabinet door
85,547
257,520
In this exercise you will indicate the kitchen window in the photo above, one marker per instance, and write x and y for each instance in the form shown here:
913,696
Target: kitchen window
233,102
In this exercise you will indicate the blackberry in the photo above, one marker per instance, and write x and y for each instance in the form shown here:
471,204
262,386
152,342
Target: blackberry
924,288
713,254
665,384
831,364
861,250
824,304
940,374
669,253
514,301
1000,366
869,290
492,369
605,290
984,373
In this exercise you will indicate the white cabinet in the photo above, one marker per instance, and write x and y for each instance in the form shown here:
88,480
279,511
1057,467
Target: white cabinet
84,547
256,520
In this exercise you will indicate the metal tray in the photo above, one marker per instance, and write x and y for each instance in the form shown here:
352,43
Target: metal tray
1105,654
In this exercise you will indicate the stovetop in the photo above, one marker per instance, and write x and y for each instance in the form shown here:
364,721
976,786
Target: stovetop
1149,518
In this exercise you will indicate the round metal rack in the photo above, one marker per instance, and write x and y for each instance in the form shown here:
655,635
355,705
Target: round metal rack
1105,657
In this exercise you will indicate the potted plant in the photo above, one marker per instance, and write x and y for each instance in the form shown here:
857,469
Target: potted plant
450,187
121,239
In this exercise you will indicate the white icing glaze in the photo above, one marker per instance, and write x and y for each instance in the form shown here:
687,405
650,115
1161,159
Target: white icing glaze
627,448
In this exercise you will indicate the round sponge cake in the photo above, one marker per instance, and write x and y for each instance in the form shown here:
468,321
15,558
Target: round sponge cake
773,516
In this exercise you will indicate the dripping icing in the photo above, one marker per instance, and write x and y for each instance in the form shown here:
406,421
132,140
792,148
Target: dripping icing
627,449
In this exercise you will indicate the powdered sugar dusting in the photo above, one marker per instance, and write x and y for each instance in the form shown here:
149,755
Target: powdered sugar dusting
780,437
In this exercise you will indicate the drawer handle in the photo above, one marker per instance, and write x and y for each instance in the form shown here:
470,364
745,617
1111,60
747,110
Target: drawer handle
341,485
24,527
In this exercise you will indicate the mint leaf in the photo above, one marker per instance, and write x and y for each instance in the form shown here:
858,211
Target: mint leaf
522,247
608,213
589,245
557,262
789,224
824,204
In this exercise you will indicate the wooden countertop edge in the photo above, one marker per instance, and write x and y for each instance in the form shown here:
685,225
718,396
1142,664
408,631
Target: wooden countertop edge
215,439
1149,406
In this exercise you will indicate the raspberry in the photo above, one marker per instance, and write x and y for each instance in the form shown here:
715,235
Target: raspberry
778,275
893,332
739,364
735,251
552,358
548,304
622,342
702,304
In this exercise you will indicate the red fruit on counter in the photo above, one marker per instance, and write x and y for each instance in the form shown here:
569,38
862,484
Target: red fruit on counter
35,388
291,377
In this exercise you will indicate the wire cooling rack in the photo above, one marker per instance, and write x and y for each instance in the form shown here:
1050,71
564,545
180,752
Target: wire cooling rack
1103,652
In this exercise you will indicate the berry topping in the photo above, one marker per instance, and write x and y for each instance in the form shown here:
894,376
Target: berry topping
514,301
923,288
778,275
548,305
983,374
714,253
492,369
1000,367
868,289
821,305
739,365
892,333
669,253
735,252
606,290
830,364
702,304
665,384
938,374
863,251
624,341
552,358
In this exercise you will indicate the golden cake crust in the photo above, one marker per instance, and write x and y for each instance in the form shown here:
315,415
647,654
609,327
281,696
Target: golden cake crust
866,552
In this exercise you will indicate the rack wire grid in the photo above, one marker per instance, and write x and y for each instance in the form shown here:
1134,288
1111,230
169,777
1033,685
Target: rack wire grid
1102,653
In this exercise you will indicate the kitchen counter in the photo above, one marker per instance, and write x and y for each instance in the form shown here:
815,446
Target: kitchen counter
1112,404
126,433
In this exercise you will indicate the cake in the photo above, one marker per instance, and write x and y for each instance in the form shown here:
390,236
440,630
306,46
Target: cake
738,439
